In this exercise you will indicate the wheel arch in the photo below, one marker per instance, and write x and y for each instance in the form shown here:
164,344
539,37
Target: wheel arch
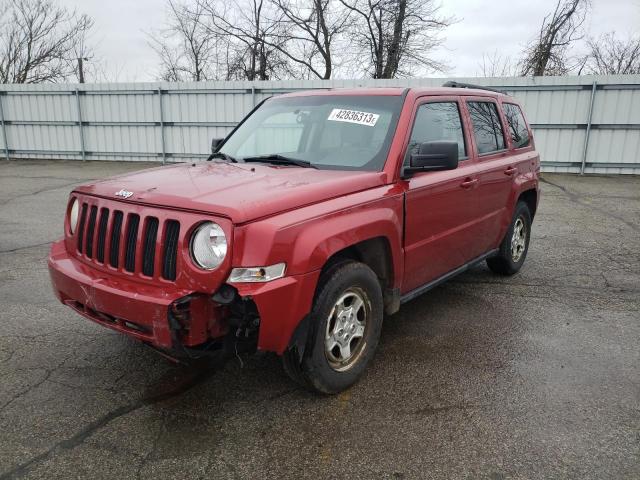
376,254
530,197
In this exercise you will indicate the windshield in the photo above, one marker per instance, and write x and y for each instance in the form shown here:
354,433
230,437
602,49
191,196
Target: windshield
338,132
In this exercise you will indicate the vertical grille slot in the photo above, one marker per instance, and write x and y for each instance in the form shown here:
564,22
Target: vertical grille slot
114,253
172,231
149,252
91,230
132,237
83,219
102,234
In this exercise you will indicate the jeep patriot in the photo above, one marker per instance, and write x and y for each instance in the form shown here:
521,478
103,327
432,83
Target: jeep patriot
321,213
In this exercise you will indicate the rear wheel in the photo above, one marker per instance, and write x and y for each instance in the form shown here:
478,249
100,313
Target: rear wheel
514,246
346,320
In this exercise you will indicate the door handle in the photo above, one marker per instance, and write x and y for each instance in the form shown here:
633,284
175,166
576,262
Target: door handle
510,171
469,182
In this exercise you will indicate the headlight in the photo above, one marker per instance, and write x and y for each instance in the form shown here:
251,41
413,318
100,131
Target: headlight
257,274
208,245
73,216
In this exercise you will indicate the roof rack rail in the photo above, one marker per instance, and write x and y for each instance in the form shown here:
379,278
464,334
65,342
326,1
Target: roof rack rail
453,84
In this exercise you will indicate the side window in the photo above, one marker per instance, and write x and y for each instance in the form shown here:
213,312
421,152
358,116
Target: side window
486,126
436,122
517,126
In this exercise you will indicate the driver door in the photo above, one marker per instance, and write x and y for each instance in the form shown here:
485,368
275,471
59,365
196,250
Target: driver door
438,205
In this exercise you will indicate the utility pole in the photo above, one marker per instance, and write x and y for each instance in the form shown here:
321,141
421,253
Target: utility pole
81,69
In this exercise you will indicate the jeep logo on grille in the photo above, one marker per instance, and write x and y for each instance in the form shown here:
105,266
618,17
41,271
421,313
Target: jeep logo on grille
124,194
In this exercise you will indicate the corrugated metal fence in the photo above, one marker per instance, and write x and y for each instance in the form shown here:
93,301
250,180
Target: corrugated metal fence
589,124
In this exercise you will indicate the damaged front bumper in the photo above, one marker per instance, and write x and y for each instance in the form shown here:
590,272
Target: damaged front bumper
180,322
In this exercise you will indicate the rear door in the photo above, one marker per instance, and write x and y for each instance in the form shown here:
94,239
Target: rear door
438,205
495,171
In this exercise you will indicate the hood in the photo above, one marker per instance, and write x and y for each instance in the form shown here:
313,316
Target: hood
239,191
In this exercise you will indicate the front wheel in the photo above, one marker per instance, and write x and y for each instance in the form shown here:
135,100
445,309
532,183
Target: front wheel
514,246
346,322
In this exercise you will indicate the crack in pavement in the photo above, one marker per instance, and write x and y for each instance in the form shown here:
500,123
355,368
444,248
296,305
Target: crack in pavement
8,358
47,374
13,250
52,335
576,198
113,391
154,447
37,192
430,410
196,378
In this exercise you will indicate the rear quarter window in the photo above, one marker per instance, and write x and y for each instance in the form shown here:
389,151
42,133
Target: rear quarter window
517,126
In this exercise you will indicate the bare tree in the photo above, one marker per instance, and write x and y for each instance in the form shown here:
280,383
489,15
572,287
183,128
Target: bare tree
609,55
188,49
256,36
397,36
311,30
548,53
272,39
495,65
39,41
104,71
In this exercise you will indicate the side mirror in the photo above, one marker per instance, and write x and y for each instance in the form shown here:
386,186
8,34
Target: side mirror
215,144
432,156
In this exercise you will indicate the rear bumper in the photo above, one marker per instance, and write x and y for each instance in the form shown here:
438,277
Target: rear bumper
141,310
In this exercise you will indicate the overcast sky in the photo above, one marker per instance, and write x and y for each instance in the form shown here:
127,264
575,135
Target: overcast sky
485,26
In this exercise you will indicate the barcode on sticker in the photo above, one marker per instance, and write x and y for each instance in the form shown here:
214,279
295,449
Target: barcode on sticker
353,116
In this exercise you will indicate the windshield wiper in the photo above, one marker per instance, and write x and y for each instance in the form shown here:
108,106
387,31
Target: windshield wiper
222,155
278,159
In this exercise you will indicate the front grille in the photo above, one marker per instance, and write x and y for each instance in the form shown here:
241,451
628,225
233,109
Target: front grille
171,234
83,218
116,231
149,254
102,233
91,228
125,240
132,243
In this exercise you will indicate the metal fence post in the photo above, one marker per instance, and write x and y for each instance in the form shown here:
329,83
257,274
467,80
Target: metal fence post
5,139
82,149
588,132
253,95
164,152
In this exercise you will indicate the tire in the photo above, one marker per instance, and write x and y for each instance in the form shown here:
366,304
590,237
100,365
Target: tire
348,303
514,247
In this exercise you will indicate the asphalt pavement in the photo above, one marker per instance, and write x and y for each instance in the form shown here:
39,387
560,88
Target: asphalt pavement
529,377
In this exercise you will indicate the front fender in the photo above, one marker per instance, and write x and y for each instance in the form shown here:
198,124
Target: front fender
306,238
318,241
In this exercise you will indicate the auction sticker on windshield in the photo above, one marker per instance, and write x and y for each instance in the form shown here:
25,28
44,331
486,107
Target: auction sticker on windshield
353,116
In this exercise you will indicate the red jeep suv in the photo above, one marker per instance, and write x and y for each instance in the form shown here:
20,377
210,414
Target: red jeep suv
321,212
